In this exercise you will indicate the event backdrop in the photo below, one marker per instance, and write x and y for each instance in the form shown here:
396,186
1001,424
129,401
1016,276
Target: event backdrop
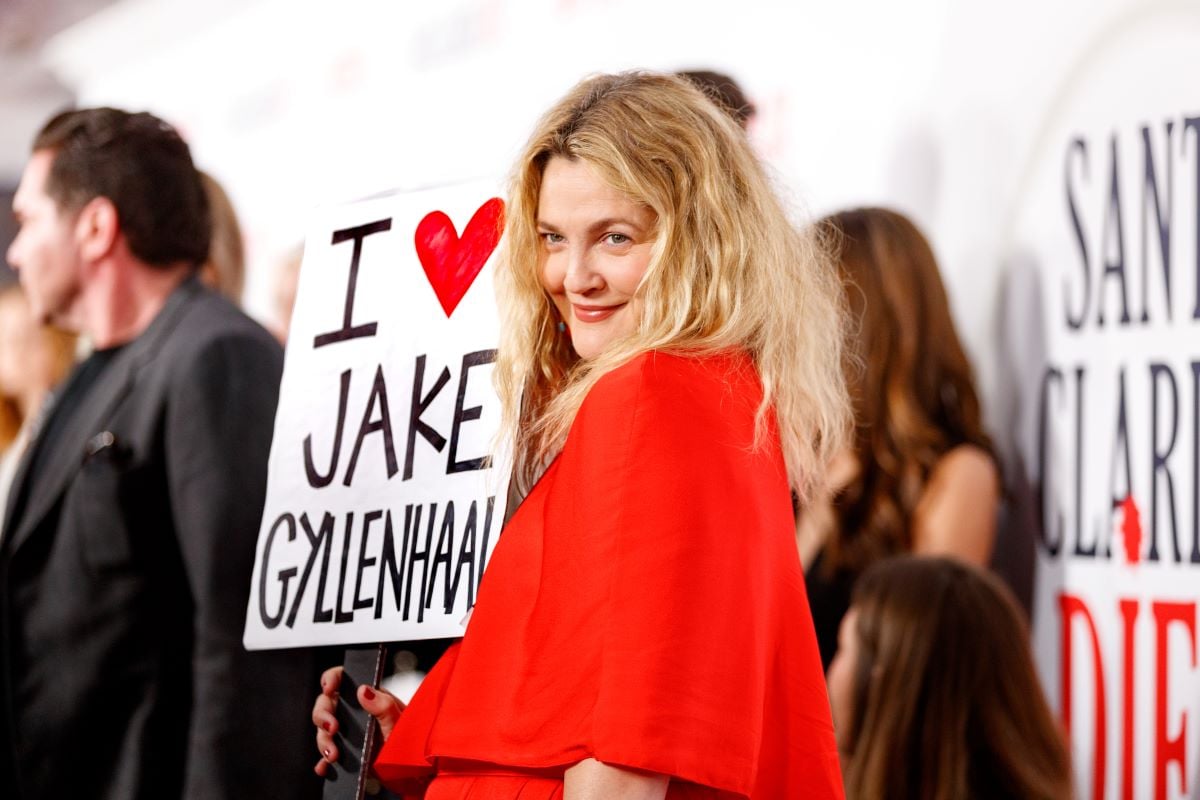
1103,310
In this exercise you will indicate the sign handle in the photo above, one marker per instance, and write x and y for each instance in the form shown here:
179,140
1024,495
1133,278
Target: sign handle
358,732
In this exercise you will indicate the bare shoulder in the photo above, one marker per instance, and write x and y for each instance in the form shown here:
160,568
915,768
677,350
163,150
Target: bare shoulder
956,515
965,468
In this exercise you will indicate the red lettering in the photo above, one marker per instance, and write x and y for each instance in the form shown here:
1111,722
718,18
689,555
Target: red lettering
1129,613
1169,750
1070,607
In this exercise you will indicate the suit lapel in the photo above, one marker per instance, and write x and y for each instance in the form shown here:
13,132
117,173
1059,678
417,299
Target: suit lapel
90,418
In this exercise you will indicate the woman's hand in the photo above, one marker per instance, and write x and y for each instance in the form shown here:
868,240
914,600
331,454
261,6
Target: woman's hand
384,706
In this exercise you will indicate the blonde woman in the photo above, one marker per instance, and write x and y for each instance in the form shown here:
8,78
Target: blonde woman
670,368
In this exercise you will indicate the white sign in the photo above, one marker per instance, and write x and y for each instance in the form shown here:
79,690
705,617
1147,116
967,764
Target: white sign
382,507
1109,366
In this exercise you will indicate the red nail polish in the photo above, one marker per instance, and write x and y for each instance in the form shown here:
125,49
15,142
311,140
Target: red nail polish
325,725
367,693
325,753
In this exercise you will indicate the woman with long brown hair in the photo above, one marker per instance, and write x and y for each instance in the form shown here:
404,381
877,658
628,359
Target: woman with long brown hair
920,475
934,692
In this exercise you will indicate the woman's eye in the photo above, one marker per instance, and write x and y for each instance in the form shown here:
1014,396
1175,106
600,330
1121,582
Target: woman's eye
617,238
552,238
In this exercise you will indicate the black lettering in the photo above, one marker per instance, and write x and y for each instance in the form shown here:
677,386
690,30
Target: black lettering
1159,457
1121,456
414,556
349,330
363,561
487,532
388,567
342,615
271,621
443,555
419,404
1114,236
1079,548
321,614
1047,489
1163,222
316,479
314,542
1192,124
461,415
1075,321
1195,557
369,426
466,559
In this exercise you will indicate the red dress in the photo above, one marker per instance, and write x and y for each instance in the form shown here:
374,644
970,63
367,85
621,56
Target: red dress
645,607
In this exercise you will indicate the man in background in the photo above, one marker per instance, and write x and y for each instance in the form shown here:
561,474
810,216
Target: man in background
129,537
724,91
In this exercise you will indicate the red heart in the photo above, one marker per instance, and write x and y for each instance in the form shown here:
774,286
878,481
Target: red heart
452,262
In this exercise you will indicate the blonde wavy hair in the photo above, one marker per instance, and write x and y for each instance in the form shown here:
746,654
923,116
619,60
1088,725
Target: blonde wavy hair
728,271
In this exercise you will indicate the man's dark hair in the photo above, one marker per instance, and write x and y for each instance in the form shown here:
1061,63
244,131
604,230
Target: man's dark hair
722,90
143,166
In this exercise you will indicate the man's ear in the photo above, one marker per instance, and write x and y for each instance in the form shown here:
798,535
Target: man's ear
97,228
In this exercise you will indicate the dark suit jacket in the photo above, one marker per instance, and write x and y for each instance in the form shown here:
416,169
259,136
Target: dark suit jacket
123,584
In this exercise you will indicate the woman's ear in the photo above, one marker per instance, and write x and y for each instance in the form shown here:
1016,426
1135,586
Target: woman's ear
97,228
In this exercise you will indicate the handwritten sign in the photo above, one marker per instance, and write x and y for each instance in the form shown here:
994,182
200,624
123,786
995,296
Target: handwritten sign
382,503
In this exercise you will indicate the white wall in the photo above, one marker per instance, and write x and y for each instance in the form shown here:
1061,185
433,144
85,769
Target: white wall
929,105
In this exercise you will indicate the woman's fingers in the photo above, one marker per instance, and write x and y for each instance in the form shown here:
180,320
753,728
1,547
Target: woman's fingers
325,719
379,703
324,766
331,679
324,713
382,705
328,751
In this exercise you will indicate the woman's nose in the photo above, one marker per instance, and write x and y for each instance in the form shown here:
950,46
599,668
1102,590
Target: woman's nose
582,276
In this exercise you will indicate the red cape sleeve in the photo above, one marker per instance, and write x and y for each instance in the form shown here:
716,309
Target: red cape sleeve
706,629
645,606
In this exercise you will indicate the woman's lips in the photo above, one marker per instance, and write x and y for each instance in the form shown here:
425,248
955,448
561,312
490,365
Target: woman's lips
594,313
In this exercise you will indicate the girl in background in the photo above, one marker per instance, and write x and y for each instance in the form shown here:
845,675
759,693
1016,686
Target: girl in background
920,476
934,691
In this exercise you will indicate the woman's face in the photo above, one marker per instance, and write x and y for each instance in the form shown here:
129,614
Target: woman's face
596,245
841,674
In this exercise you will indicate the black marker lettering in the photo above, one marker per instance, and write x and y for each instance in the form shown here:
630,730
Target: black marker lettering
461,415
269,620
369,426
316,479
349,330
419,404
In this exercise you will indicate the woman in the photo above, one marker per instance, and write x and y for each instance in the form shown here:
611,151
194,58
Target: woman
225,269
669,366
934,691
34,358
921,476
